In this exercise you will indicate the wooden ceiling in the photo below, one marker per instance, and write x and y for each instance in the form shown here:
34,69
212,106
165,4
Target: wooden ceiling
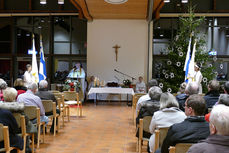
132,9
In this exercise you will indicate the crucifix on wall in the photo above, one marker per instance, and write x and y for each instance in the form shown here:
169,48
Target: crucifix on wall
116,47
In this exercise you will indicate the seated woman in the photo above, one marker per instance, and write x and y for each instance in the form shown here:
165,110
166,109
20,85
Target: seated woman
168,115
9,95
140,86
7,119
19,86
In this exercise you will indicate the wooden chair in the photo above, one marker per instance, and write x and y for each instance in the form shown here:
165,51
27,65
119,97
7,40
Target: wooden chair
55,91
62,107
160,135
34,113
180,148
72,98
134,104
4,136
50,106
143,126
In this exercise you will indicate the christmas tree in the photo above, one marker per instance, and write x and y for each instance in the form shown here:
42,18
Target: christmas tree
171,71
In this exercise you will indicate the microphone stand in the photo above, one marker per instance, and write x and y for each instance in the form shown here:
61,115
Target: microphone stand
124,74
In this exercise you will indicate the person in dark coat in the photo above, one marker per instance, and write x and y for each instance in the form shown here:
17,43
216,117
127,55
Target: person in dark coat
191,88
217,142
192,129
7,119
44,94
19,86
212,95
149,107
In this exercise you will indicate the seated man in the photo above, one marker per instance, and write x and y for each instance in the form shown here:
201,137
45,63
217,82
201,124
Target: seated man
44,94
30,99
217,142
213,93
191,88
192,129
146,97
7,119
226,87
223,99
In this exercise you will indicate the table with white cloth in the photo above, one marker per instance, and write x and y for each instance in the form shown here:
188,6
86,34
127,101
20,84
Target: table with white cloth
111,90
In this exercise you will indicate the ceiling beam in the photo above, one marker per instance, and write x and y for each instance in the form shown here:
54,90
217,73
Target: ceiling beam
83,6
2,4
30,5
78,8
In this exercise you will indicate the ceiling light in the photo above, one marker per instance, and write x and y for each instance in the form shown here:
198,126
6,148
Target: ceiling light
43,2
115,1
184,1
61,2
166,1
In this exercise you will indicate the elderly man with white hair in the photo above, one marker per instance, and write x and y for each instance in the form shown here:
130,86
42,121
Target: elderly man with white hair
30,99
218,140
43,92
191,89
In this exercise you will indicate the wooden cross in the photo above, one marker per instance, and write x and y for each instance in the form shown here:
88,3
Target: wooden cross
116,47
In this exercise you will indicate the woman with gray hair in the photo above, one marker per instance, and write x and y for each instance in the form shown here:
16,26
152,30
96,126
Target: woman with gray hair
168,115
3,86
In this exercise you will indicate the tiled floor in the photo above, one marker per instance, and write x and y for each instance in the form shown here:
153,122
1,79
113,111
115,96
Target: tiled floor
105,128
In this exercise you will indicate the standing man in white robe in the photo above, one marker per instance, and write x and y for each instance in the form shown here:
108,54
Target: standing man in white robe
28,77
140,85
198,77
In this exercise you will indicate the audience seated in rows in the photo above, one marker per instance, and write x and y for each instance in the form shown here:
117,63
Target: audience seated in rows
3,86
192,129
30,99
44,94
146,97
191,88
217,142
212,95
224,100
19,86
149,107
7,119
168,114
9,95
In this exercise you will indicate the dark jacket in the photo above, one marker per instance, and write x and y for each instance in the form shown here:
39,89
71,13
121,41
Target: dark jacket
148,108
44,94
191,130
211,98
213,144
181,98
7,119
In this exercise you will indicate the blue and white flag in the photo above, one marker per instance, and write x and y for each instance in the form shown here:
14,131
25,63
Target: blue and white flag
191,70
42,69
187,60
34,63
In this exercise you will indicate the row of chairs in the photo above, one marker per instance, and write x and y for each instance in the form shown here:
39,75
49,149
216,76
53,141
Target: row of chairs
160,135
32,112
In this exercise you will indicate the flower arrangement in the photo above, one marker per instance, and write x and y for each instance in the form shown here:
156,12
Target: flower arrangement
72,85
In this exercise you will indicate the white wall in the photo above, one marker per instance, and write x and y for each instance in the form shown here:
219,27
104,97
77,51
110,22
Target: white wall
131,35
